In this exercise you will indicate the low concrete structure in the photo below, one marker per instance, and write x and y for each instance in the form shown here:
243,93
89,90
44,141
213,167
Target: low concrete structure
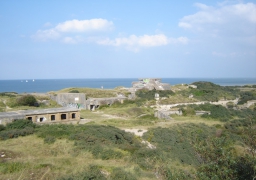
199,113
94,103
42,115
165,114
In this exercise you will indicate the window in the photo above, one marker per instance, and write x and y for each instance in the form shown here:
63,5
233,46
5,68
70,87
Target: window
41,119
29,118
73,115
63,116
52,117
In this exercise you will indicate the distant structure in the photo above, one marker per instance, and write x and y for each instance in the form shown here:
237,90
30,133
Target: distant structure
150,84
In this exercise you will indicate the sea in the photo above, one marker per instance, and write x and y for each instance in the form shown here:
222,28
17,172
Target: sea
47,85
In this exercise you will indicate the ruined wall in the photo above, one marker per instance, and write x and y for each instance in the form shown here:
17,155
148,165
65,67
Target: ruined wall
76,100
94,103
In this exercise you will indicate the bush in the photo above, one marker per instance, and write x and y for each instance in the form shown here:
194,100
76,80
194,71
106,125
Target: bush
27,100
12,167
90,173
14,133
20,124
49,140
73,91
246,96
207,91
188,111
2,127
120,174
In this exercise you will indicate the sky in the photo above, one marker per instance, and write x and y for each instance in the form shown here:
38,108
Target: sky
60,39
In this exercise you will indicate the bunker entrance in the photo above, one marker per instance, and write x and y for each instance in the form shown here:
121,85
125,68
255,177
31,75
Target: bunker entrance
92,107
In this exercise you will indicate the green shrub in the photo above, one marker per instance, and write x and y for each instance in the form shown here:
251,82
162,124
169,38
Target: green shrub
147,158
188,111
20,124
56,130
176,142
246,96
74,91
8,94
49,140
207,91
111,154
90,173
27,100
14,133
2,127
12,167
120,174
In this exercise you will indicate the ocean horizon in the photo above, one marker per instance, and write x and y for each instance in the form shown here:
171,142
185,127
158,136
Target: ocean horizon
47,85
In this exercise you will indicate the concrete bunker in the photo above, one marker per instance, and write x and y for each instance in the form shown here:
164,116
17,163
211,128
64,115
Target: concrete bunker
94,103
41,115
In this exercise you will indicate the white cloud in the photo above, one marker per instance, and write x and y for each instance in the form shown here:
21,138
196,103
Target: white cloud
69,40
77,26
225,19
44,35
134,42
70,32
179,40
48,24
84,25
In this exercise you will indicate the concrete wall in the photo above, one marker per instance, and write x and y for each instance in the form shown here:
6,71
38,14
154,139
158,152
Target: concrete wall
94,103
76,100
54,117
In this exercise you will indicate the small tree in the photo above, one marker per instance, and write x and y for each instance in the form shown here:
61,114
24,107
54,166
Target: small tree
27,100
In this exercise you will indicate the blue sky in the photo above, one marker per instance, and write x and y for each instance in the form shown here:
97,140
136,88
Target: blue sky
127,39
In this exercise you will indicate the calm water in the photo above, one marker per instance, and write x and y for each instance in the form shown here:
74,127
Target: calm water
46,85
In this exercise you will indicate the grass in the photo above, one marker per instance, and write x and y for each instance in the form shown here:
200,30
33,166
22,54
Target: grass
31,157
96,93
